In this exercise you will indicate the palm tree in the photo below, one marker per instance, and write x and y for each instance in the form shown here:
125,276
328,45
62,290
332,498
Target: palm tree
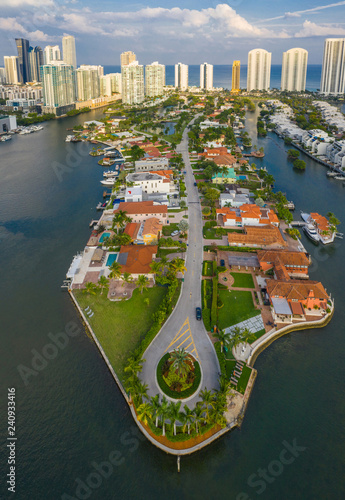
206,398
179,359
164,412
142,282
120,220
174,414
103,283
198,417
90,288
100,229
156,268
141,392
127,278
217,413
179,265
188,418
145,412
115,270
223,338
155,404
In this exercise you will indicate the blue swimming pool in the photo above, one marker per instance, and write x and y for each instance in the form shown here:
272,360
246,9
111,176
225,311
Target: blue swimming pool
111,258
242,177
104,235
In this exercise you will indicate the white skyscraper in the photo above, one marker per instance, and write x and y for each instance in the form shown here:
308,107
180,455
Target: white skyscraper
206,76
259,70
11,69
294,70
98,68
51,54
58,81
68,51
154,79
333,67
132,81
181,76
2,75
88,82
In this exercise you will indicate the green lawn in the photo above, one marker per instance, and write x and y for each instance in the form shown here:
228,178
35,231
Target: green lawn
237,306
167,230
243,280
210,234
120,326
199,176
243,380
207,268
258,334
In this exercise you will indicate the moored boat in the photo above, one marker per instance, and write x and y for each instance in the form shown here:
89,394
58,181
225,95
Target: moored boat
311,232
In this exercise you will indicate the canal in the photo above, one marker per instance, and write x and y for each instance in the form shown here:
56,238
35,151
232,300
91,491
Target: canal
70,414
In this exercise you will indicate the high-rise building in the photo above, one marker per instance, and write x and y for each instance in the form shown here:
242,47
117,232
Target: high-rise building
110,84
132,81
98,68
259,70
68,51
58,81
294,70
333,67
127,58
235,79
39,61
206,76
35,61
181,76
12,69
154,79
51,54
2,75
88,84
23,59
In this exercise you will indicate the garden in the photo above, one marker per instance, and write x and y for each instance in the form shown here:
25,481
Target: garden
178,374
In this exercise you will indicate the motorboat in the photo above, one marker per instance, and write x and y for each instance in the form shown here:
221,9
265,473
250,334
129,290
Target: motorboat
339,177
311,232
5,138
109,182
331,173
306,217
69,138
110,173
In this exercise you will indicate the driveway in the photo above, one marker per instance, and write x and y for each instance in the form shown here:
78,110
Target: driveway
182,328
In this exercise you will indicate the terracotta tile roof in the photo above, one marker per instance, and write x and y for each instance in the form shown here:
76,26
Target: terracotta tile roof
139,258
296,289
258,235
141,207
132,229
168,174
152,226
296,307
224,160
288,258
321,221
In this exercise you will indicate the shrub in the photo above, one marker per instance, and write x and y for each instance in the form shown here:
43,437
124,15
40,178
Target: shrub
206,318
214,301
177,394
214,268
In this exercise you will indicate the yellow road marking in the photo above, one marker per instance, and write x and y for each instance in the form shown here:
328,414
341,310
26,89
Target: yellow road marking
183,335
183,341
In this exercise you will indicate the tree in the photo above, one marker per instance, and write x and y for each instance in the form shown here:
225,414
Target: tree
100,229
206,211
163,412
188,418
299,164
155,407
115,270
206,398
183,226
333,221
140,392
260,202
90,288
293,154
103,282
147,301
174,414
212,195
156,268
120,220
223,338
142,282
198,417
179,358
183,204
178,265
145,412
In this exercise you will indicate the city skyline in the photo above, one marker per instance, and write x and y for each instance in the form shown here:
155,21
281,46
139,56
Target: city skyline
191,32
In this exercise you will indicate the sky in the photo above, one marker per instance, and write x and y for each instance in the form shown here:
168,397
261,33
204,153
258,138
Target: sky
171,31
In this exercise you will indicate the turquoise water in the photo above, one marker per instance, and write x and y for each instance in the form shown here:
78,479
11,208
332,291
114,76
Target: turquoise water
104,235
111,258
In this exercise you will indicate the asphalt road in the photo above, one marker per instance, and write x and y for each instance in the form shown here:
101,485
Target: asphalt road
182,328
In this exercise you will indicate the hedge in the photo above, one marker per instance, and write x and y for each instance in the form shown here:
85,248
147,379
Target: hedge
206,318
230,249
214,267
214,301
221,357
174,394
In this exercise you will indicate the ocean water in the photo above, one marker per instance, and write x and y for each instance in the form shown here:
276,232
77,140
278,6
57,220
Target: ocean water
222,75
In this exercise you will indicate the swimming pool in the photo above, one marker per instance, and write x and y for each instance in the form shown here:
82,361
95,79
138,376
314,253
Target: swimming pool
111,258
242,177
104,235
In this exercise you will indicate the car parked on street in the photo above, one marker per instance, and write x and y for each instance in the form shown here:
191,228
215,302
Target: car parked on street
198,313
222,263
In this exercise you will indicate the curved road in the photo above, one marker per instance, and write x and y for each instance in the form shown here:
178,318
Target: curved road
182,329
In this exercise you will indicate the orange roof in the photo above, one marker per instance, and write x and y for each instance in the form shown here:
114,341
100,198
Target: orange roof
296,289
287,257
164,173
258,235
132,229
296,307
226,160
141,207
138,258
152,226
321,221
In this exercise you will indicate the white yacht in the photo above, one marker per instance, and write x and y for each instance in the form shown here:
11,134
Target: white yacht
311,232
109,182
110,173
69,138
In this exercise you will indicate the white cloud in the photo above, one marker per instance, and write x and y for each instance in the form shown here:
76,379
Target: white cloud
298,13
11,25
24,3
310,29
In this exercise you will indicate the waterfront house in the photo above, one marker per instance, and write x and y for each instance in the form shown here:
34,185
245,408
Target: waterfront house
147,232
136,259
140,211
258,237
284,263
228,177
247,214
233,199
323,227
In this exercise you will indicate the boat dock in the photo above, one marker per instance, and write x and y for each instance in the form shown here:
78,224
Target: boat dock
93,223
298,223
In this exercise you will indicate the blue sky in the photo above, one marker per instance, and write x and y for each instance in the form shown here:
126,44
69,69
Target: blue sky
171,31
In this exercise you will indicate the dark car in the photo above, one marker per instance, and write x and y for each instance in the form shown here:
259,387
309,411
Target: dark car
222,263
198,313
195,183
